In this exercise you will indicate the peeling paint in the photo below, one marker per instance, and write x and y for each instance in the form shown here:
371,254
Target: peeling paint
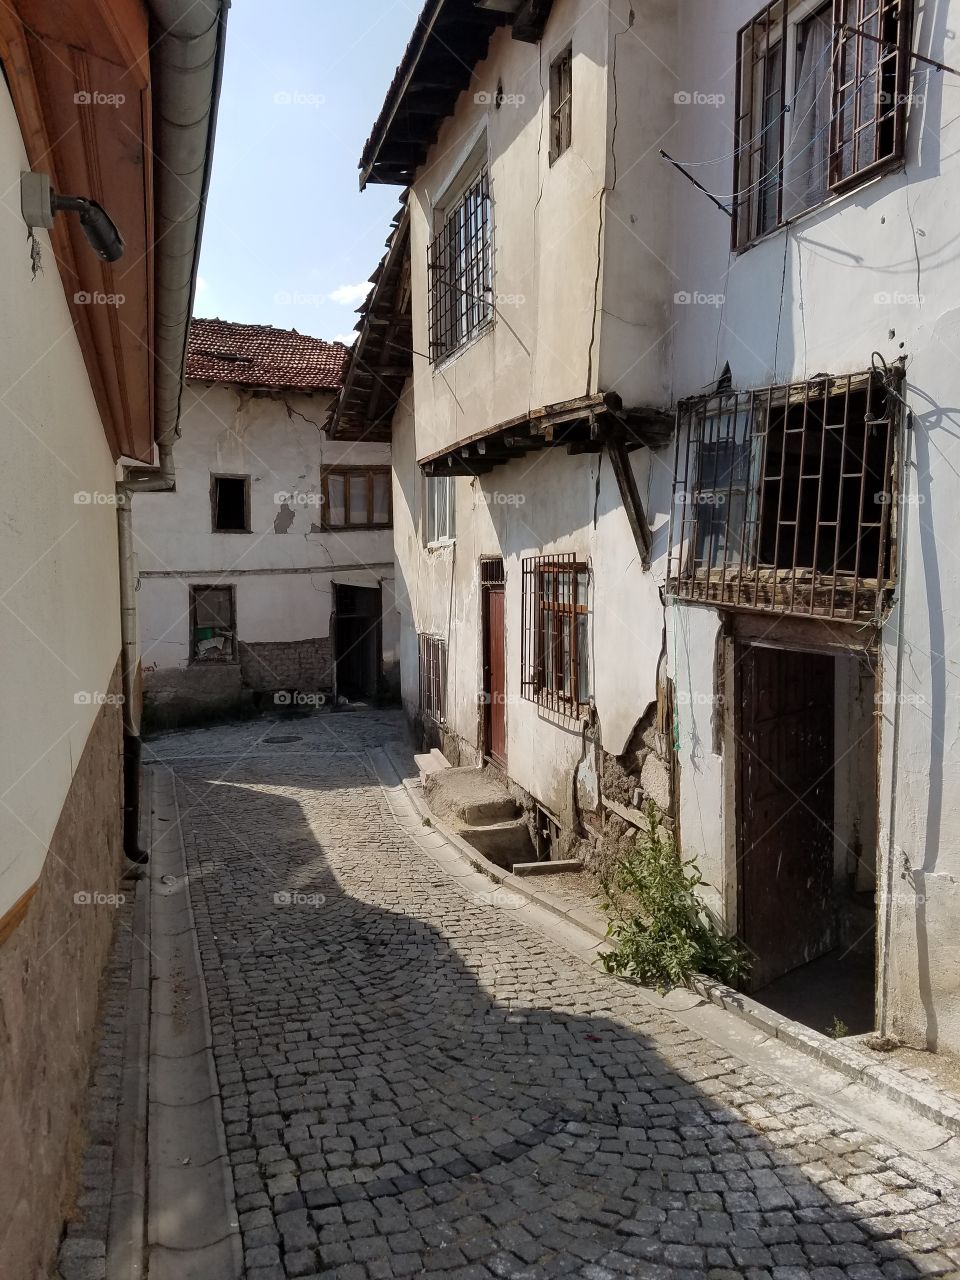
284,519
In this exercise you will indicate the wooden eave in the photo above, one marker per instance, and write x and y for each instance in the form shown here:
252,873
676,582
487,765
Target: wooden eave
53,54
583,425
382,357
449,39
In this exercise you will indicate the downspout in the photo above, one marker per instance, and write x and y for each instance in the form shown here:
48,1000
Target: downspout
186,63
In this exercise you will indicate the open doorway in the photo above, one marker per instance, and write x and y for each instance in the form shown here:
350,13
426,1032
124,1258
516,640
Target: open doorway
807,832
357,641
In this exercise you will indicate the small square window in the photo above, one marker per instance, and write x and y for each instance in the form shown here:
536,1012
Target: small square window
561,103
357,498
213,628
230,502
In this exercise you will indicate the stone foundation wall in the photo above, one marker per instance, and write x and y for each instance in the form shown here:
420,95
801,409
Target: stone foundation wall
50,971
191,695
305,665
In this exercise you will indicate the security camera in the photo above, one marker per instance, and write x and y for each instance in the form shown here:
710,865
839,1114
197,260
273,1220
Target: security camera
39,205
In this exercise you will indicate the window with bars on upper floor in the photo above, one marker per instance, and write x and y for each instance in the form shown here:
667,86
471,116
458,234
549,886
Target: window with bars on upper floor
822,91
460,261
561,103
785,499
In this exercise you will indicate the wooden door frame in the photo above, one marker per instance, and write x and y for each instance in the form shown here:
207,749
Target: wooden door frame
485,720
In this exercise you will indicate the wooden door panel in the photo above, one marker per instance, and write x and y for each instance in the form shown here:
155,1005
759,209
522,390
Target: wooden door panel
785,839
495,691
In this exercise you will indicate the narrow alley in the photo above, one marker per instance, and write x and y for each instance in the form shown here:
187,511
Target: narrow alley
413,1079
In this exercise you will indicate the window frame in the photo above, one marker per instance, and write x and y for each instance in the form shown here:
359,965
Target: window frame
823,461
561,103
751,172
545,671
346,473
453,324
432,697
429,508
215,478
215,659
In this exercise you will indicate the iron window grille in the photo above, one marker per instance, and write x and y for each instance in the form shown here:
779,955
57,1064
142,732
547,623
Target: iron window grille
555,661
821,105
492,572
561,103
461,271
356,498
784,499
433,678
440,511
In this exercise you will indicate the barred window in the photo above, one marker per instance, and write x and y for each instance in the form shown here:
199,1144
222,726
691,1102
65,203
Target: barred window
821,104
785,499
439,509
561,103
433,678
555,655
461,269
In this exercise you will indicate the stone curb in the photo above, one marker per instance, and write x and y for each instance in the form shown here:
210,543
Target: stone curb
192,1225
931,1103
128,1207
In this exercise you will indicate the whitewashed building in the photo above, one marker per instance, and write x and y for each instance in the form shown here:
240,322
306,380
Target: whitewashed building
268,576
729,225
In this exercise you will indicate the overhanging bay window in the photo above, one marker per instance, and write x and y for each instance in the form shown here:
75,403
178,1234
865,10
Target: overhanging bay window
822,89
785,499
555,657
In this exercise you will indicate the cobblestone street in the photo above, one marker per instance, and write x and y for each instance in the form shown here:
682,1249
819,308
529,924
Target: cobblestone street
414,1083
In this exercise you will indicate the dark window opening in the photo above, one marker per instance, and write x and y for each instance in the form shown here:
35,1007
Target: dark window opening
213,629
785,499
231,504
561,104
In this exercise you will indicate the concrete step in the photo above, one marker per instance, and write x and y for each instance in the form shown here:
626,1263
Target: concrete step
487,812
504,843
547,868
431,762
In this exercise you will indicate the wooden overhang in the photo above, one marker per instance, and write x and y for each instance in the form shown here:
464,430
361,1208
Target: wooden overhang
382,357
449,39
79,76
584,425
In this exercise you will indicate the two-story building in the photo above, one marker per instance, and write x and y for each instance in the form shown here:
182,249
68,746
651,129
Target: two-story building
725,218
268,576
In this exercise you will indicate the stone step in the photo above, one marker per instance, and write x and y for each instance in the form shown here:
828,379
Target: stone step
487,812
431,762
504,843
547,868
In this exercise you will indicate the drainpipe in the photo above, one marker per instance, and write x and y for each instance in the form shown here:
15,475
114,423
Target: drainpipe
186,62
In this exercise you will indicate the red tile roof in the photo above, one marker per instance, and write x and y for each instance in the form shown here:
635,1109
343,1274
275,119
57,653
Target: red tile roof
258,355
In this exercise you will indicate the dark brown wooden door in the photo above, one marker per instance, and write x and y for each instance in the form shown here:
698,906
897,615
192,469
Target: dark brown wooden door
785,803
495,675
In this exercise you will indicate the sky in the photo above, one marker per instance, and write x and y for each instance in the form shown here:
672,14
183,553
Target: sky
289,239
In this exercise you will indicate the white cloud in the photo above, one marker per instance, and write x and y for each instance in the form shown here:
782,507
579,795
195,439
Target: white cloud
348,339
349,294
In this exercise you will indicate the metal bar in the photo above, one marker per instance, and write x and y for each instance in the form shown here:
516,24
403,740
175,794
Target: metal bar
699,185
816,527
799,505
763,484
836,536
914,57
